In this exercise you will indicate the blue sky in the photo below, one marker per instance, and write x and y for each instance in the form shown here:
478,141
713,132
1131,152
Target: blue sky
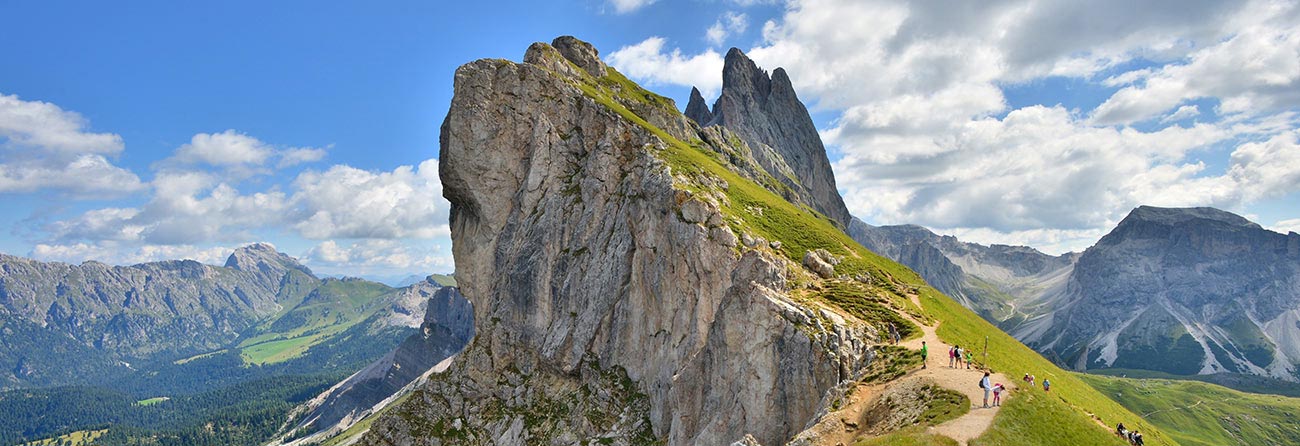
151,130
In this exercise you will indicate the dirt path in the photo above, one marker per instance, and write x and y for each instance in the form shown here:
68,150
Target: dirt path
840,427
973,424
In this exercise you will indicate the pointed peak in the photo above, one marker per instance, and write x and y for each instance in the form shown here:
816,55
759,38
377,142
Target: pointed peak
260,256
697,109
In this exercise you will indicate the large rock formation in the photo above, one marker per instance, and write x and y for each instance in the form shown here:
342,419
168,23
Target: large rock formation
1184,291
613,300
764,111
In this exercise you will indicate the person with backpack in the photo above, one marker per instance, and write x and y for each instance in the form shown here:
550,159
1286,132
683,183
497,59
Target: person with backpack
960,355
1137,439
924,352
1047,385
984,384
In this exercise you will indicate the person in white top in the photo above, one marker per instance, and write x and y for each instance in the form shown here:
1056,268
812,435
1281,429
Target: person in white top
984,384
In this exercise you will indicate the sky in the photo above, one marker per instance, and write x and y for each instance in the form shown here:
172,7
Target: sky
140,131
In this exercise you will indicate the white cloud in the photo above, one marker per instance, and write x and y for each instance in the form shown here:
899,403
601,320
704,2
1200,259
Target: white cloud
626,6
353,203
1286,226
728,24
300,155
228,148
1184,112
238,155
379,256
648,61
1256,71
188,208
43,147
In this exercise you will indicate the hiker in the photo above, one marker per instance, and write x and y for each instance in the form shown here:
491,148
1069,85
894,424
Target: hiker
959,356
969,357
924,351
1032,378
984,384
1026,379
1047,385
1137,438
997,394
952,355
1121,430
893,332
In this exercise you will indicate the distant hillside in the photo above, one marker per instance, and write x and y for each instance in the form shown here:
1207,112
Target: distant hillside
1201,414
294,337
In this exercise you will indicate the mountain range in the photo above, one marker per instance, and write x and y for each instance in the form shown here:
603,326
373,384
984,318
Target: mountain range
1184,291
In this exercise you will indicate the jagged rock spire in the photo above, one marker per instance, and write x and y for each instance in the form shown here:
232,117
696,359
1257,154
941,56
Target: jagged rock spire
697,110
764,109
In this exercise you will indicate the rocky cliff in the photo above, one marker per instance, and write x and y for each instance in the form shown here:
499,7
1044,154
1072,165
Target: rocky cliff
1184,291
632,273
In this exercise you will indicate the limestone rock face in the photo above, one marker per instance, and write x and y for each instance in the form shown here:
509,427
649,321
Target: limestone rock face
765,111
605,307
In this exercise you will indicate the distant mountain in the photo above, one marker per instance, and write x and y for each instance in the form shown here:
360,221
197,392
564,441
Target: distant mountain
116,316
440,279
1004,284
256,337
1184,291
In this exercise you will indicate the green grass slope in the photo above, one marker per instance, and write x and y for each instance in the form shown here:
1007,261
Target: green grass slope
1201,414
1065,416
325,312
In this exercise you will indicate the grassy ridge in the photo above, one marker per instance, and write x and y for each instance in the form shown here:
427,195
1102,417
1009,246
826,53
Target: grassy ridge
1032,416
1027,419
1201,414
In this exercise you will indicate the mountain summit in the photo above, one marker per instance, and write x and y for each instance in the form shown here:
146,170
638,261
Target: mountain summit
764,111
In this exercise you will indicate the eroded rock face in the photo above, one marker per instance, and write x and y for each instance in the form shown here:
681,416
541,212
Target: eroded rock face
765,111
605,309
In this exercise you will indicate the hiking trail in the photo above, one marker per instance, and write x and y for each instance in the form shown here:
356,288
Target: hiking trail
841,427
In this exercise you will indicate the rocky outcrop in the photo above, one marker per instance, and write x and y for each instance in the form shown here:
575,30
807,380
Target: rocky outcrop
764,111
1184,291
447,326
609,306
697,109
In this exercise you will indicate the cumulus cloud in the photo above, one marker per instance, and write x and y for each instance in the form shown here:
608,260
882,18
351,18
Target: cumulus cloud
626,6
352,203
374,256
236,154
43,147
648,61
189,207
1256,71
728,24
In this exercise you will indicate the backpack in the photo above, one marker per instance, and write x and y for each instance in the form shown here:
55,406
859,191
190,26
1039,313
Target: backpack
981,383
